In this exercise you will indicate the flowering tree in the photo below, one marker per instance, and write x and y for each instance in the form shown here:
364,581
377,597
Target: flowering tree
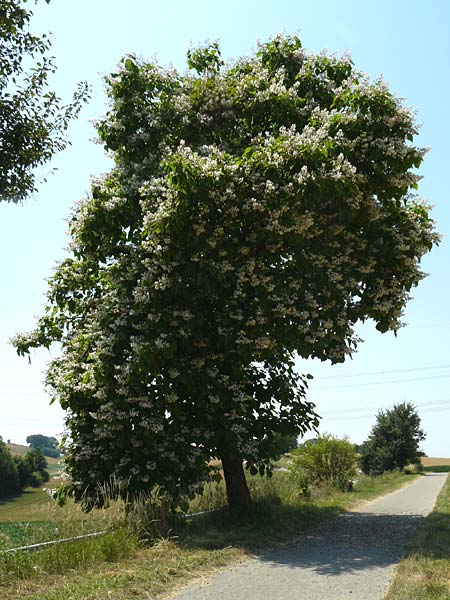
256,210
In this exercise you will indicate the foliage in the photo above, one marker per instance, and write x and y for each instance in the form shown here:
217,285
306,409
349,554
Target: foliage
48,445
24,472
394,440
31,469
9,477
326,461
37,464
256,210
32,119
285,442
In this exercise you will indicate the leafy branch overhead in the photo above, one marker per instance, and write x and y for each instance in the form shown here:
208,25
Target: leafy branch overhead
32,119
256,211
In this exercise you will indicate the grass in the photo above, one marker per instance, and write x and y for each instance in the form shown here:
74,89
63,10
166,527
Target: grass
425,573
31,505
117,567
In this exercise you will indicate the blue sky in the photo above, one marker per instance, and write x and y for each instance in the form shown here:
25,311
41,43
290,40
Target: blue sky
407,42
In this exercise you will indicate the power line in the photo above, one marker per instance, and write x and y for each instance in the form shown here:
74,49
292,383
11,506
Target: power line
427,404
370,373
371,415
346,385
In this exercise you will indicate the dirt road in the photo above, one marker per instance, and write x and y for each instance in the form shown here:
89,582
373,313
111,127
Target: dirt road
351,557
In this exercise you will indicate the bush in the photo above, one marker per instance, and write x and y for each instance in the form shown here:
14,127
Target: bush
35,480
326,462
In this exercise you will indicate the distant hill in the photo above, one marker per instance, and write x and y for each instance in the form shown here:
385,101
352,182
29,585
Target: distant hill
19,450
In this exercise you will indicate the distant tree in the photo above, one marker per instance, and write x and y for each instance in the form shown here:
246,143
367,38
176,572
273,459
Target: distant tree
38,465
24,471
32,120
48,445
394,440
256,211
9,477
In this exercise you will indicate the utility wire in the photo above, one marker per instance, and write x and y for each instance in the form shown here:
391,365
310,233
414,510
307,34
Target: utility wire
416,404
370,373
371,415
346,385
354,415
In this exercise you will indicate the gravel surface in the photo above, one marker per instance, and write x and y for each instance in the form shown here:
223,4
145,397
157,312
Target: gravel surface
352,556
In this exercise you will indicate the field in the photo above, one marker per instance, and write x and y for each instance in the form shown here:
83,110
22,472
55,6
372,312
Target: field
438,465
24,519
428,461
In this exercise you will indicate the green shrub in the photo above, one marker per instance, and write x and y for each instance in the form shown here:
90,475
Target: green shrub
36,479
325,462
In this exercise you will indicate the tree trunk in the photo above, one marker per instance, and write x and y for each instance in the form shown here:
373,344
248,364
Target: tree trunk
237,490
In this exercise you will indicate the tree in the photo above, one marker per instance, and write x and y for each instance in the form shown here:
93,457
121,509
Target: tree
256,210
394,440
37,465
24,471
48,445
32,119
9,478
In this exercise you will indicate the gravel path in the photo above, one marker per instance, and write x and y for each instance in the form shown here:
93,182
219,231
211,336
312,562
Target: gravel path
352,556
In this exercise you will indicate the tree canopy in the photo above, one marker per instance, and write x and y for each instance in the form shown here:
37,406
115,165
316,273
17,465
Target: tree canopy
32,119
257,210
48,445
394,440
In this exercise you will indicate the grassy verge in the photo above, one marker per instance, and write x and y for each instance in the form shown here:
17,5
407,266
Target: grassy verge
117,567
425,573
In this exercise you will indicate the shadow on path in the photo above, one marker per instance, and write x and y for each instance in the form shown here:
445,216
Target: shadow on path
354,542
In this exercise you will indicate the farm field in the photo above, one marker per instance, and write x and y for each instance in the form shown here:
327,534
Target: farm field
428,461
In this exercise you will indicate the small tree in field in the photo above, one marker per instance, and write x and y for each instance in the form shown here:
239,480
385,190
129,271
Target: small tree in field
394,440
256,210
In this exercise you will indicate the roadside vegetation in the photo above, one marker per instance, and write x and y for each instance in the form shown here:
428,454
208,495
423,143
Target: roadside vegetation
424,573
149,550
